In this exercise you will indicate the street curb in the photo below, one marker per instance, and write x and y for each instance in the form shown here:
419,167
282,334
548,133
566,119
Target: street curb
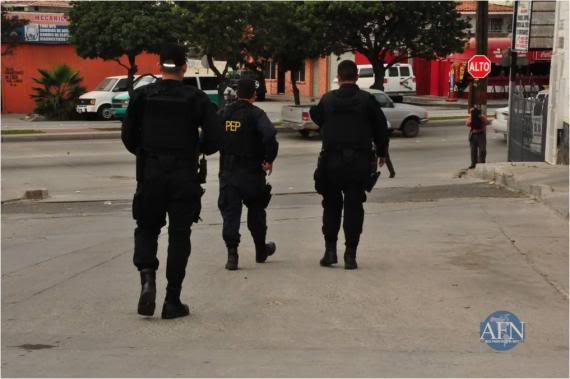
61,136
91,135
438,103
555,200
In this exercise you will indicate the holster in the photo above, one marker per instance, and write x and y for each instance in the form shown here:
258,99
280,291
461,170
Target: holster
373,173
320,174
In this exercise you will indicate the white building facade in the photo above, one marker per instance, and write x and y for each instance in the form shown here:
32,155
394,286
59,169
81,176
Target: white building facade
559,101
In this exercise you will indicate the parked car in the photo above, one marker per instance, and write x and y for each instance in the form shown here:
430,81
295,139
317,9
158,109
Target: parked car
404,117
98,101
500,124
207,83
535,109
399,79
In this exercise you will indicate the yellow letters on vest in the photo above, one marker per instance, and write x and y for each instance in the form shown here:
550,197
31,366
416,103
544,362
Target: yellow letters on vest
232,126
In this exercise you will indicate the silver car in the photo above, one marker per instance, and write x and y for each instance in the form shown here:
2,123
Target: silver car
404,117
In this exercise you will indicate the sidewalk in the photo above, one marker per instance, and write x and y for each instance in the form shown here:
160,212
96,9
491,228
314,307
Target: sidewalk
441,101
545,182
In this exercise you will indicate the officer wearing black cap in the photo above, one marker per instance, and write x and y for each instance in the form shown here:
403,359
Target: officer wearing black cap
246,157
162,128
350,120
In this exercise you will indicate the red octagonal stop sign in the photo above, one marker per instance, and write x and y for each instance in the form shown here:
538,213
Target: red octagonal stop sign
479,66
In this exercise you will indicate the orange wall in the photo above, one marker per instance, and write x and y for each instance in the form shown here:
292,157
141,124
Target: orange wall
19,68
306,86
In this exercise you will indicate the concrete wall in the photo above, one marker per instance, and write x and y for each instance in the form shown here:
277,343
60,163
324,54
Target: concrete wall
559,101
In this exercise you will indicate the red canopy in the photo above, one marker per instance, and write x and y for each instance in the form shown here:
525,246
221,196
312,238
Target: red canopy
498,47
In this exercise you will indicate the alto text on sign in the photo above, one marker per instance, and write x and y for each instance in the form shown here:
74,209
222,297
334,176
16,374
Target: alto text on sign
479,66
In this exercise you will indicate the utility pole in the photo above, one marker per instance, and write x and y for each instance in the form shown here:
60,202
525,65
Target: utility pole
478,89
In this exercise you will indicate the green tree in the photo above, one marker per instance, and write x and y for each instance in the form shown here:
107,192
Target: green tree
218,30
405,29
58,92
285,33
9,35
113,29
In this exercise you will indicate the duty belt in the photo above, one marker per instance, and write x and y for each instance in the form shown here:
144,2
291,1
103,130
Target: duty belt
231,161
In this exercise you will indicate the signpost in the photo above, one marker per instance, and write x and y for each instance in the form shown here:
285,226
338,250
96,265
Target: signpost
479,66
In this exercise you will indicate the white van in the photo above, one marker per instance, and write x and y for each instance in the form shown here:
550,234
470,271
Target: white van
398,79
98,102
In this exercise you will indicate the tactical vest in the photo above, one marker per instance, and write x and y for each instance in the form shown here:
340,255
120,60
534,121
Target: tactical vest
241,137
167,126
346,122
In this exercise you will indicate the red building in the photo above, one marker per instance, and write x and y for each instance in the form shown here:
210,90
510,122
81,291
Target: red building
44,46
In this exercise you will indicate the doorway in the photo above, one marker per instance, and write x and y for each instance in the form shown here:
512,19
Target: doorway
280,81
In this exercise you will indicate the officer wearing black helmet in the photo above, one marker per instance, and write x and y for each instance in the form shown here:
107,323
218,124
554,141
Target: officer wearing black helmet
162,128
246,157
350,120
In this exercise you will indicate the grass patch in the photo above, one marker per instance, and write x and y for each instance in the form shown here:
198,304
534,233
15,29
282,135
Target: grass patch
10,132
108,129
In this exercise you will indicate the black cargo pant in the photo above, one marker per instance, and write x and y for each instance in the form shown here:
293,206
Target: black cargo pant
344,189
170,187
242,186
478,145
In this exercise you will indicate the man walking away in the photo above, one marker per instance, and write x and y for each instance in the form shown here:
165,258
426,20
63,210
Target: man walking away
350,120
246,158
162,129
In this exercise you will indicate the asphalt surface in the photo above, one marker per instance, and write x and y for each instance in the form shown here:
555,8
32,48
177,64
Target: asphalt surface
439,253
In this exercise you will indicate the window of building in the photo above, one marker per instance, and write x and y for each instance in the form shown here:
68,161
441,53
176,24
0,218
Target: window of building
270,70
300,75
495,25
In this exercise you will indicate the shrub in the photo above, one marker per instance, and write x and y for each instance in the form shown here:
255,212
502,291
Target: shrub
58,94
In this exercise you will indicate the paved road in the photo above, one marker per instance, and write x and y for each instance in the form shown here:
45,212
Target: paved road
438,255
273,109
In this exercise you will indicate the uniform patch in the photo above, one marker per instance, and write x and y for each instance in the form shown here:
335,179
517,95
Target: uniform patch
232,126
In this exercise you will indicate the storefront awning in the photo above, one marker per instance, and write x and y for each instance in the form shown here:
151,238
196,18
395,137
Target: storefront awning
498,47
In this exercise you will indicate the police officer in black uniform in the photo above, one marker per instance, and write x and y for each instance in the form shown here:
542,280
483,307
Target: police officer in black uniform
350,121
246,157
162,129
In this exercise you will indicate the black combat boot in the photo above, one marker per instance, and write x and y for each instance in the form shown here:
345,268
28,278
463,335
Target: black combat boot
350,259
263,251
233,259
330,257
148,292
173,307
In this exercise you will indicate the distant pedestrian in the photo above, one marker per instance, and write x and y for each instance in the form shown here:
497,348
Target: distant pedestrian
477,124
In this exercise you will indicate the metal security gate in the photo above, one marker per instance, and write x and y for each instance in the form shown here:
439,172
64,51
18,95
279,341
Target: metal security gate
527,128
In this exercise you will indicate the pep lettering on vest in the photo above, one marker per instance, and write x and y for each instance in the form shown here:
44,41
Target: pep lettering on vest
232,126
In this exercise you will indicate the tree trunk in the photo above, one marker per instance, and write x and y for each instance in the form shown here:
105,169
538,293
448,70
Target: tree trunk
379,74
221,80
295,89
131,75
